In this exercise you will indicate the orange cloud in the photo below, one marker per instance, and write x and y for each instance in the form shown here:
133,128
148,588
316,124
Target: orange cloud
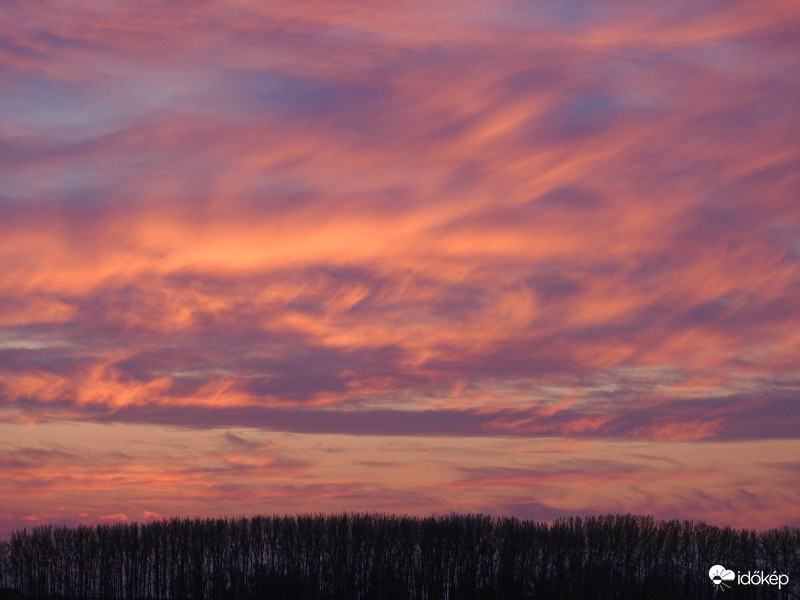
477,222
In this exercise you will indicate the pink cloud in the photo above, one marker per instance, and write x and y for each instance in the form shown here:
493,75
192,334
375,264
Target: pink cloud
114,517
477,222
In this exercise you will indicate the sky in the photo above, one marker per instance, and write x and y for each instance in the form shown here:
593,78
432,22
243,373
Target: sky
522,258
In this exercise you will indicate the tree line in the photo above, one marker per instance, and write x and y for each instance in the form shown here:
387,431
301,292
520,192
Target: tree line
387,557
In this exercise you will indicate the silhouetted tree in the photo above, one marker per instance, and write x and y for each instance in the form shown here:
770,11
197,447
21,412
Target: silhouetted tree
387,557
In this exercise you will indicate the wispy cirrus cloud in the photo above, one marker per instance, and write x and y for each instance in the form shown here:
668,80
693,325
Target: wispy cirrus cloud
473,222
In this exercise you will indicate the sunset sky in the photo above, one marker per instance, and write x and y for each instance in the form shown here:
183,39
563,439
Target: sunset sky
519,257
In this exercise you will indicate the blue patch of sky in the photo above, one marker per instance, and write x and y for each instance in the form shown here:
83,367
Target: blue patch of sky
63,110
280,91
38,107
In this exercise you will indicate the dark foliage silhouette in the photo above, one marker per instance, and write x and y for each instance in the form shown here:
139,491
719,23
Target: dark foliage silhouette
387,557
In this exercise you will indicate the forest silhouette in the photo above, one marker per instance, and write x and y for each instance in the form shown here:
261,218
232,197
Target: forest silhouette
385,557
